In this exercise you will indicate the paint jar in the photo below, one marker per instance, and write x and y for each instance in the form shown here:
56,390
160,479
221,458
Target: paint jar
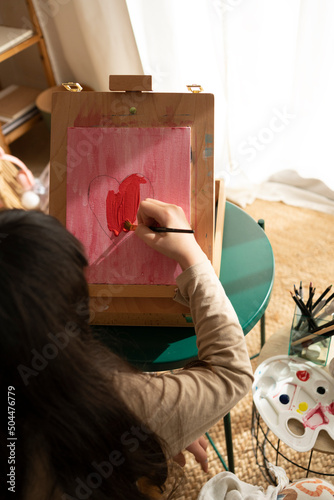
310,337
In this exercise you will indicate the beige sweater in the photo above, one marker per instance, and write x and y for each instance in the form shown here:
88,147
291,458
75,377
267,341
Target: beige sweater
181,407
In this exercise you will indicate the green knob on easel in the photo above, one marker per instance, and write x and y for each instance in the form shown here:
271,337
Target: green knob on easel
133,110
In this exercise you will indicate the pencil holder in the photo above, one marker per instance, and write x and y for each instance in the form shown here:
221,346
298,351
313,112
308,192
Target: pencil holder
306,341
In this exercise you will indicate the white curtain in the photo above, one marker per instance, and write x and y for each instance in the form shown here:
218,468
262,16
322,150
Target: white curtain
269,64
180,44
280,79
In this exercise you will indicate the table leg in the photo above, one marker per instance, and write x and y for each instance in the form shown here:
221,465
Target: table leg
229,442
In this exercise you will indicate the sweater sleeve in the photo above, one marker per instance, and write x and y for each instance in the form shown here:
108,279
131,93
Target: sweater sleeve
181,406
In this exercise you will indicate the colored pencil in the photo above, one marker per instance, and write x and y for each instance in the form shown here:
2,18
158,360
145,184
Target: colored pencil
304,311
328,311
310,297
321,296
301,290
327,301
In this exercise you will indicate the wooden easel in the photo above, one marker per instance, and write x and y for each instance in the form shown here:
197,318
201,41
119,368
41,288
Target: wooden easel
131,103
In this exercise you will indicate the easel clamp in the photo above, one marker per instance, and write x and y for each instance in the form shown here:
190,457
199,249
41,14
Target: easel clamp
130,83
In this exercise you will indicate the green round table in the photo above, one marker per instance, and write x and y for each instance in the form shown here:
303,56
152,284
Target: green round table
247,274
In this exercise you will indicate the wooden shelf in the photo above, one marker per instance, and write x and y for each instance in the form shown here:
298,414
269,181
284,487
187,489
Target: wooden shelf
22,129
24,40
19,48
11,36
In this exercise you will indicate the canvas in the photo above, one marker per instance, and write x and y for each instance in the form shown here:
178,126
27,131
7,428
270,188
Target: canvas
109,170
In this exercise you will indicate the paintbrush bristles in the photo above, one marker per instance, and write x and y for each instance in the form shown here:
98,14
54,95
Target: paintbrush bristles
128,226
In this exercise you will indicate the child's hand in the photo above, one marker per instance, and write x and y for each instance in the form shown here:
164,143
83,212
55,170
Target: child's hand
181,247
198,449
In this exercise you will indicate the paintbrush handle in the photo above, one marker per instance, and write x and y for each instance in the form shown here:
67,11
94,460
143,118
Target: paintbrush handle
326,332
132,227
170,230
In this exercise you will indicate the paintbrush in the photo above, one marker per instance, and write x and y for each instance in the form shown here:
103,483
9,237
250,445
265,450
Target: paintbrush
322,332
133,227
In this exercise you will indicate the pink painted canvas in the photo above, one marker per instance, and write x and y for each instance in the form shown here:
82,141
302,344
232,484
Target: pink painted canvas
109,170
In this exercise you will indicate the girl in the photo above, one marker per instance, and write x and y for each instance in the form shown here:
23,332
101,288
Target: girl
87,424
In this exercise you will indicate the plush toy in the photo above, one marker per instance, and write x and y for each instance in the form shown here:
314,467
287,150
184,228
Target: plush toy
18,187
307,489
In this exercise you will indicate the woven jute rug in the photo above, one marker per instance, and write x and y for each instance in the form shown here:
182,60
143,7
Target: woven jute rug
302,242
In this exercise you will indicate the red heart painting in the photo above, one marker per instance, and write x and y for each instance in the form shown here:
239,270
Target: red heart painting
112,202
104,187
123,205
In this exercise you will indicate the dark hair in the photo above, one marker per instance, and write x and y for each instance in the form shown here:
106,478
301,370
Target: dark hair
66,405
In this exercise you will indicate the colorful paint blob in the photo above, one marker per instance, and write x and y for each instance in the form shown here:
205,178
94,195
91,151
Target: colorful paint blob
303,375
284,399
315,417
330,408
302,407
123,205
302,404
307,489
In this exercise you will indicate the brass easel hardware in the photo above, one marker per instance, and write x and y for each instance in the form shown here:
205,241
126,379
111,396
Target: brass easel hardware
72,87
195,89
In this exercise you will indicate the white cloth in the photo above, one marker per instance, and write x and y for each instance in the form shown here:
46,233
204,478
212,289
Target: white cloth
275,191
227,486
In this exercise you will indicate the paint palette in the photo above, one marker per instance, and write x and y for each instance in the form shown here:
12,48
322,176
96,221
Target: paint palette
295,398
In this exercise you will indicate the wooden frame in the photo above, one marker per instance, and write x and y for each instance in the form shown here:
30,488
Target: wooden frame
220,199
139,304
